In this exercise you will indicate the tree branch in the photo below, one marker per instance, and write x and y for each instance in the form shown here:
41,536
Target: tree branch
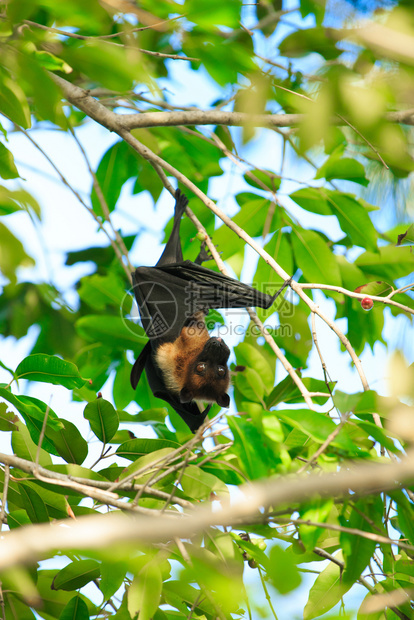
30,543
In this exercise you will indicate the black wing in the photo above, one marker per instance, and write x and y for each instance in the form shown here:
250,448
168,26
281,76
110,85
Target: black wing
139,364
169,295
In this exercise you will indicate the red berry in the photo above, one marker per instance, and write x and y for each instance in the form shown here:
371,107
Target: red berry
367,303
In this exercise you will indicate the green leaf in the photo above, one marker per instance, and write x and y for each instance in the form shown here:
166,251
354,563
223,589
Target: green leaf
351,213
248,355
211,49
314,258
317,425
205,13
251,217
111,330
122,390
24,447
119,164
12,200
326,592
224,471
8,169
358,550
50,369
272,428
406,237
112,577
379,434
8,419
55,502
30,407
280,249
76,609
282,570
34,412
269,179
248,445
17,609
50,62
146,416
76,575
337,167
405,516
354,220
199,484
42,90
103,419
183,597
99,291
69,443
391,263
145,592
313,199
138,447
13,102
12,254
54,601
143,462
316,510
17,518
303,42
33,504
378,288
287,391
250,384
106,64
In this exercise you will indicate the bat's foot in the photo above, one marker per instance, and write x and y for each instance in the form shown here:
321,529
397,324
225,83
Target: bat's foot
204,255
181,201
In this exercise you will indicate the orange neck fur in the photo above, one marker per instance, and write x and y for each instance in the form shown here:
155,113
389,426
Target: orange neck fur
174,357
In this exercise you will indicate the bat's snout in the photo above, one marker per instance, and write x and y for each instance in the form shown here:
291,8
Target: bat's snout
218,348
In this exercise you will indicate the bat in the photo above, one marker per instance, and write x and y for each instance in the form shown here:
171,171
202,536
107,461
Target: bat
182,362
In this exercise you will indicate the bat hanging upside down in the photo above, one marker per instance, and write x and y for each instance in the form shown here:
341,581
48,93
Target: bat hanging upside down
182,362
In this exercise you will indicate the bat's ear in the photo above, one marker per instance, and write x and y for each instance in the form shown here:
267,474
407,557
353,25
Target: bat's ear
186,396
223,400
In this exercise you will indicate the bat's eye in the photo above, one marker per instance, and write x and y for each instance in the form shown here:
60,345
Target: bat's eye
200,368
221,371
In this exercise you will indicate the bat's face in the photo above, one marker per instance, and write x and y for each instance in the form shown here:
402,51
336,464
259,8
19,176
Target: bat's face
208,376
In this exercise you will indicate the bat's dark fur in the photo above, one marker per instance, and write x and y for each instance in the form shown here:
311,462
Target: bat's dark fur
183,364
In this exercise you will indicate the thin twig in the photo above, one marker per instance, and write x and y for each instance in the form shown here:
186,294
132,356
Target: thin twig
80,199
339,289
266,592
178,482
42,434
324,446
4,496
350,530
52,477
103,203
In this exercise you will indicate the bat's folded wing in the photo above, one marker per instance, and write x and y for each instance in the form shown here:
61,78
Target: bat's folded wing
189,412
215,290
168,295
139,365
